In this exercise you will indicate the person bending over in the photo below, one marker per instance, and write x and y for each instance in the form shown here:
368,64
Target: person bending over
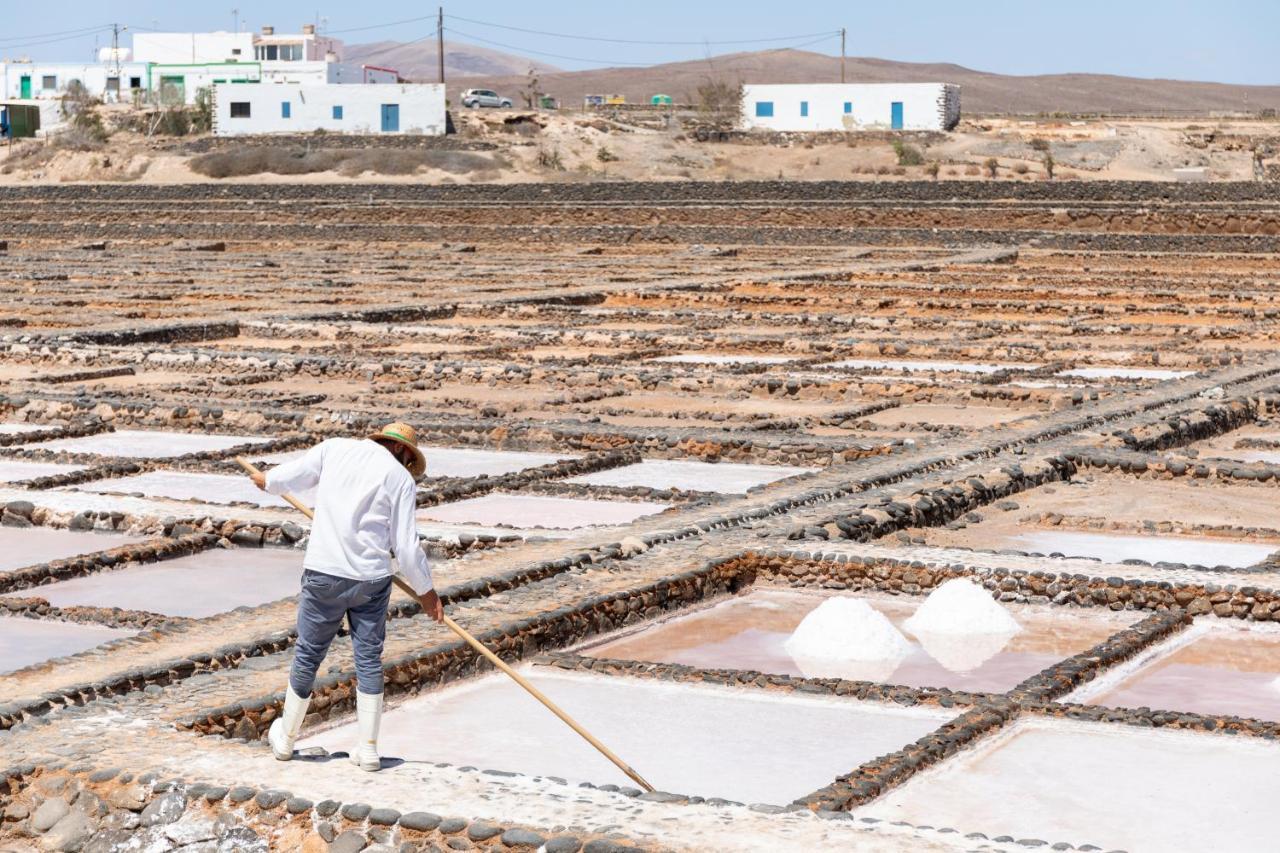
364,515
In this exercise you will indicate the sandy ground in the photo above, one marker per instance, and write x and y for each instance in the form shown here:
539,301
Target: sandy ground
587,147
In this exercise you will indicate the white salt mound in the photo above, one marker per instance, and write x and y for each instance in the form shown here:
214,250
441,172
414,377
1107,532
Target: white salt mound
1275,685
847,629
962,653
961,606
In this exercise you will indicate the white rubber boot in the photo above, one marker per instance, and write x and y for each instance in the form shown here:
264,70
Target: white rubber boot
284,730
368,719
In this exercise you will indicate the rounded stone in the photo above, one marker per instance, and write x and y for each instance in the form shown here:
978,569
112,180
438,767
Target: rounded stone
420,821
451,825
522,838
564,844
384,817
356,811
298,805
482,830
325,808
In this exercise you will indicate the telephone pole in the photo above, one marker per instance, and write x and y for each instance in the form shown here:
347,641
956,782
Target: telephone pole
440,44
842,31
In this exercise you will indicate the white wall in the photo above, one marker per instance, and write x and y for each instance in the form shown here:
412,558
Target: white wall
174,48
92,74
422,108
197,77
925,106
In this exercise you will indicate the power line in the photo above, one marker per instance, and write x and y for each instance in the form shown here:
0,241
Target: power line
773,39
379,26
79,31
523,50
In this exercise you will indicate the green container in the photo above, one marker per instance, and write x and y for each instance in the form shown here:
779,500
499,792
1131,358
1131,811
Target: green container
663,100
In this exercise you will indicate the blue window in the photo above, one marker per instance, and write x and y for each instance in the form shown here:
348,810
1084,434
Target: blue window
337,113
764,109
848,107
804,108
284,109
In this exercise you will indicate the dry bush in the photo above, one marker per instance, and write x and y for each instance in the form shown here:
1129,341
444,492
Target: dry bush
883,170
900,170
604,155
1040,144
549,158
1021,168
908,155
951,173
932,168
971,170
992,165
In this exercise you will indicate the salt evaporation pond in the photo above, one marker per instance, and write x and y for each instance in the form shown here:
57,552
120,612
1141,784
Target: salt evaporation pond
13,428
1152,549
29,546
25,642
194,586
911,366
750,632
535,511
699,740
460,461
723,477
1125,373
707,358
13,470
1229,670
147,444
1113,786
194,486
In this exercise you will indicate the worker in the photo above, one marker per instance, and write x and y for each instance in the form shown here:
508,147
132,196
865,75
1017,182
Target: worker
364,515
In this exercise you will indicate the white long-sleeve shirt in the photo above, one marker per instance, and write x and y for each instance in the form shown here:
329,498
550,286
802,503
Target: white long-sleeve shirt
365,511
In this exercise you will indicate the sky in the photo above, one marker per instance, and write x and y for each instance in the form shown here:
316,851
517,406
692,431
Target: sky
1230,41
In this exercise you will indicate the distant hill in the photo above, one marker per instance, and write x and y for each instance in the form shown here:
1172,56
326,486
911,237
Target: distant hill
981,92
417,60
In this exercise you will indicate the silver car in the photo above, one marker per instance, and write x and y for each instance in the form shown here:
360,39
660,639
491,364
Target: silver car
484,98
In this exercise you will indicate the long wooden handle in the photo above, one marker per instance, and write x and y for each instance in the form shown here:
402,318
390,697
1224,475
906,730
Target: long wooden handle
491,657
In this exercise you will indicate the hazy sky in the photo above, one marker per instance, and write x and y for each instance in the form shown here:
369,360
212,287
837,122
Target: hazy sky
1224,40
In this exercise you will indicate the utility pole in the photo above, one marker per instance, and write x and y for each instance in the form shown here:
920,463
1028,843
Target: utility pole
235,16
842,31
440,44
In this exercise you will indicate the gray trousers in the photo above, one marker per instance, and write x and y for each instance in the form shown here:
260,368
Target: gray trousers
324,600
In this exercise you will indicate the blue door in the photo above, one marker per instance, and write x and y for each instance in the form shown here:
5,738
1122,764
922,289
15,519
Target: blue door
390,118
896,115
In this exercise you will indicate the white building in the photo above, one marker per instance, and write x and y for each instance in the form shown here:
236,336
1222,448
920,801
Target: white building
258,108
111,81
172,67
850,106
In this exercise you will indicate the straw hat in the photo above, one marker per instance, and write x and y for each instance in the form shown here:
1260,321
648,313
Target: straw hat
405,436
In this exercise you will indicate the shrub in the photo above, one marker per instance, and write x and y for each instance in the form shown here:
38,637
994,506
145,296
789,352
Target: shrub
908,155
992,165
1021,168
1040,144
604,155
972,169
549,158
350,162
1048,166
931,169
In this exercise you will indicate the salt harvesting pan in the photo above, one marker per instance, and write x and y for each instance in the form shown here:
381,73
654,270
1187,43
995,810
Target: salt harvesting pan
27,546
15,470
1214,668
750,633
147,444
699,740
460,461
925,366
723,477
1115,548
194,586
27,642
1125,373
192,486
538,511
1038,777
721,359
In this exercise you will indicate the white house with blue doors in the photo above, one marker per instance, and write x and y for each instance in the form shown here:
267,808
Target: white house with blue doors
244,109
850,106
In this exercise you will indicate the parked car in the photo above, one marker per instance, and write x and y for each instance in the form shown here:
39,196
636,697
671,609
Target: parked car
484,98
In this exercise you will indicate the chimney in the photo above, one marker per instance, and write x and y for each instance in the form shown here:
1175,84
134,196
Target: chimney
268,30
308,29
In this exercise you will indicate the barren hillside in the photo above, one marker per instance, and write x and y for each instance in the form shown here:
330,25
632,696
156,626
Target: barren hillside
417,60
982,92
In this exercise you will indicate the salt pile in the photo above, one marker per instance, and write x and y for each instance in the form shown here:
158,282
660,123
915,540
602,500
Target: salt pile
961,606
847,638
962,653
